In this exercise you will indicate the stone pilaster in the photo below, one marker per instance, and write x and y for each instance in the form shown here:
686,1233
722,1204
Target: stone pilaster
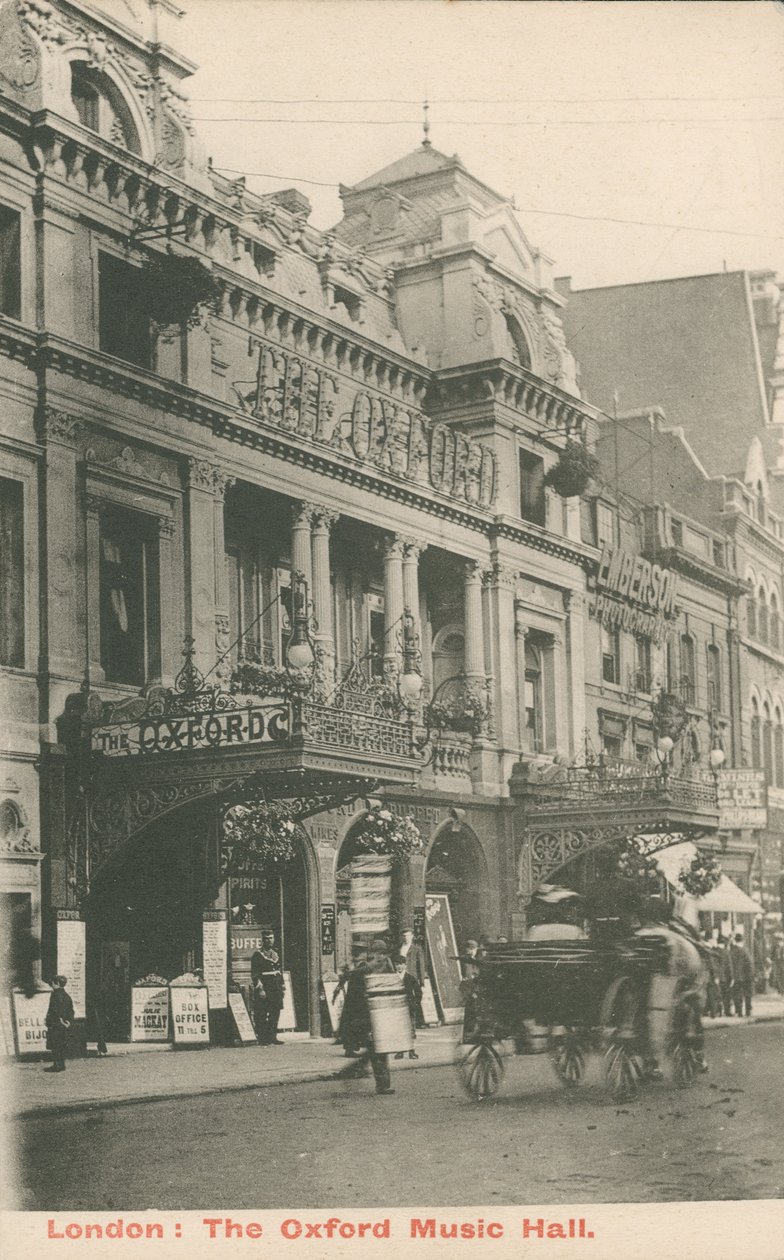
521,630
92,507
574,603
222,482
301,551
474,659
171,630
201,561
324,633
63,648
393,604
501,583
412,550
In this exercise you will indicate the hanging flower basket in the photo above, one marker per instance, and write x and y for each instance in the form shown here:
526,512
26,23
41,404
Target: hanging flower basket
639,867
178,288
257,836
381,831
249,678
465,714
575,468
701,875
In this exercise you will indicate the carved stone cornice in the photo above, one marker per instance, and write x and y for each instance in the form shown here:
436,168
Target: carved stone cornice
202,475
59,426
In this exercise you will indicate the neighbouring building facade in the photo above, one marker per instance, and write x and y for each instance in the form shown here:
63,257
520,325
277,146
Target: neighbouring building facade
340,445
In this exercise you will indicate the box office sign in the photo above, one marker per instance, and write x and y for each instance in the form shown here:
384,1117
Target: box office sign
631,593
72,957
190,1015
268,723
742,800
307,400
150,1012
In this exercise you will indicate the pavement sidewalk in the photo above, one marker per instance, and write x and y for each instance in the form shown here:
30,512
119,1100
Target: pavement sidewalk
139,1073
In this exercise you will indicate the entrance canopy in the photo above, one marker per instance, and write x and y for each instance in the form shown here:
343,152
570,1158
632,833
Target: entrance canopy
725,898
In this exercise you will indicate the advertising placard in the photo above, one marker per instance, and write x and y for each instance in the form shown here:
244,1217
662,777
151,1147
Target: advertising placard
72,958
288,1018
428,1004
334,1004
190,1015
30,1022
215,956
150,1012
371,892
242,1024
328,929
743,799
443,948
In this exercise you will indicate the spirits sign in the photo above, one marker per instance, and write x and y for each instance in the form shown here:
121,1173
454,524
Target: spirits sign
268,723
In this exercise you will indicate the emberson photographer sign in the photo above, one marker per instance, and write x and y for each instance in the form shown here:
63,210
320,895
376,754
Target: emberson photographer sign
631,593
268,723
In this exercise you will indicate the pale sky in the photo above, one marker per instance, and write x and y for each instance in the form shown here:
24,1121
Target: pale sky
671,113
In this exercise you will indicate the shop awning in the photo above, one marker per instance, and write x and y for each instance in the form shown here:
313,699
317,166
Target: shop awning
725,898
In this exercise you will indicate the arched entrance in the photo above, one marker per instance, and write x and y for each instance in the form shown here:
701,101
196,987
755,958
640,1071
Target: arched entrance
145,913
456,868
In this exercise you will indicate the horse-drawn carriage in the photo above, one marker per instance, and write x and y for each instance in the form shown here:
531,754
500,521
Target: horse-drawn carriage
569,998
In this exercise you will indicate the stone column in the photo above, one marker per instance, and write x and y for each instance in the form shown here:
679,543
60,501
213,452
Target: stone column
393,604
171,629
574,602
412,550
521,630
63,545
301,559
93,505
201,561
501,580
222,482
474,658
324,633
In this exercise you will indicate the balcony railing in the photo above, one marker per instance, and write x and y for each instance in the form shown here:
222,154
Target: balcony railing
610,788
361,732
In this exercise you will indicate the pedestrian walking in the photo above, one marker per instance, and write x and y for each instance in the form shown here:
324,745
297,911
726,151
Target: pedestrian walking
413,992
351,1027
712,958
59,1018
268,989
726,976
468,990
379,963
413,955
743,976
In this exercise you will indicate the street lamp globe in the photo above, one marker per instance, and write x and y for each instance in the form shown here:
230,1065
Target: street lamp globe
717,758
665,745
410,684
299,653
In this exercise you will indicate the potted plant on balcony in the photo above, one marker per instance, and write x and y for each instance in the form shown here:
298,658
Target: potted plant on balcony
572,472
701,875
380,831
178,288
464,714
250,678
256,836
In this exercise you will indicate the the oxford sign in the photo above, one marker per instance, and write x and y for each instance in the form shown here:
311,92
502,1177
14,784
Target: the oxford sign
306,399
268,723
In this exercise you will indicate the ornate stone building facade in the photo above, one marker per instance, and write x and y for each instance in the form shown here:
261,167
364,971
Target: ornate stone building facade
345,435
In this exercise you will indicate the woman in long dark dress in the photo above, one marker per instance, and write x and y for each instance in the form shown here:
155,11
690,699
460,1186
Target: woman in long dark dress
59,1018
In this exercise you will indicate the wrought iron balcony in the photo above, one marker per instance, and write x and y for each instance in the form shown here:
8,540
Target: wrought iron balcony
636,795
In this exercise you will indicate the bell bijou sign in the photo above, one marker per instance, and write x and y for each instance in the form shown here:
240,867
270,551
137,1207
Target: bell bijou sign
267,723
301,397
631,593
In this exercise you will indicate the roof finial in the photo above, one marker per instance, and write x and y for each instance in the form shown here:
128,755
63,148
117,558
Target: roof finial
426,125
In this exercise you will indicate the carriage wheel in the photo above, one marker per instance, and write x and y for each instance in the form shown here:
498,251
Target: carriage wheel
685,1041
621,1019
568,1058
481,1071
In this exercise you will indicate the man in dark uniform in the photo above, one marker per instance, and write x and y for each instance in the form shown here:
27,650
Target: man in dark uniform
59,1018
268,989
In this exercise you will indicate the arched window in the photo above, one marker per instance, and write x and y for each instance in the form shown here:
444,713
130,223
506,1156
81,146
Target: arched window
751,615
519,352
774,625
688,670
778,750
756,737
534,715
100,107
714,677
767,743
762,616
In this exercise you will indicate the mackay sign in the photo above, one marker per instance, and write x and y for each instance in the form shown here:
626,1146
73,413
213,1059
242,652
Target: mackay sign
268,723
631,593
